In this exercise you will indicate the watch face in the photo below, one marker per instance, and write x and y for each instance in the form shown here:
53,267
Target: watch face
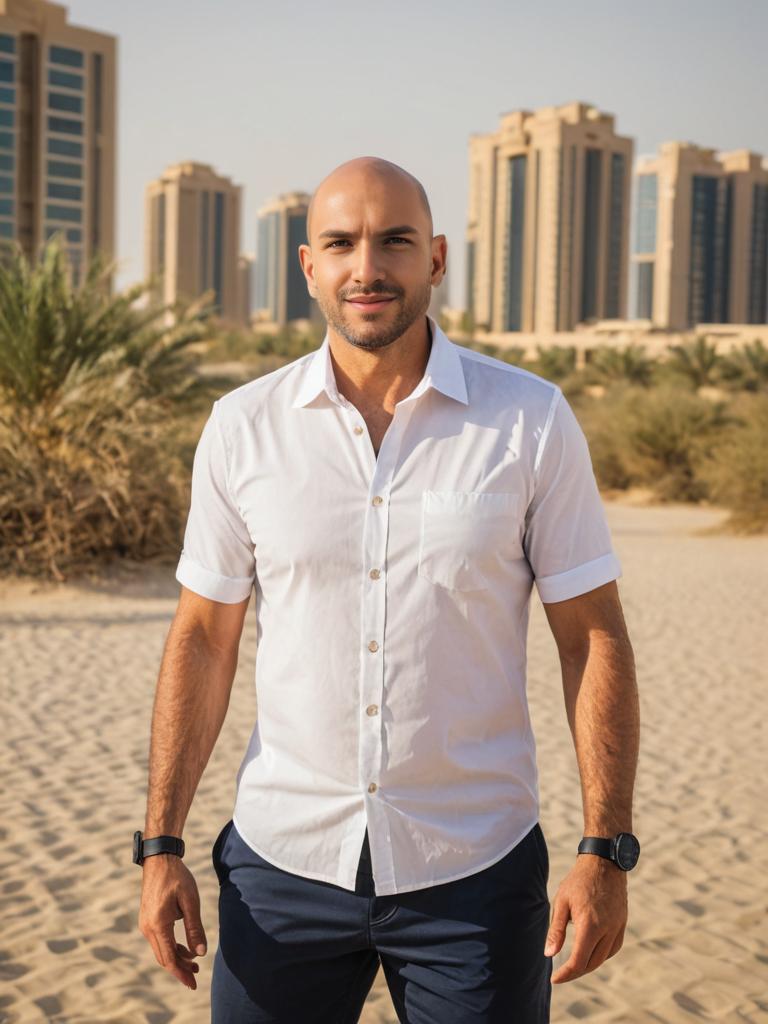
627,850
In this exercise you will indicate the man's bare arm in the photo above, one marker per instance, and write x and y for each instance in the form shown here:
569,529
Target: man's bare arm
191,700
600,689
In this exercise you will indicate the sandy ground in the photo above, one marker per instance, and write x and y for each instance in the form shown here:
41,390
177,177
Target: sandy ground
79,669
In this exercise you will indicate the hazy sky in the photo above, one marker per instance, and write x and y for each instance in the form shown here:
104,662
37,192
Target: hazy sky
276,94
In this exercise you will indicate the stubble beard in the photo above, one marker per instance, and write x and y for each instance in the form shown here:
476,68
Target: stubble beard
408,313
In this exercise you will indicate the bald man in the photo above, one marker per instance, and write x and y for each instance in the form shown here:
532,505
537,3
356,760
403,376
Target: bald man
390,499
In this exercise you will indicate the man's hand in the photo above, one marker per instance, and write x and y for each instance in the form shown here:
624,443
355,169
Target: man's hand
594,896
169,892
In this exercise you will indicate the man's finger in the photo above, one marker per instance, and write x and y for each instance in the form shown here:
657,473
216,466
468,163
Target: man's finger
165,952
193,926
561,915
599,953
584,945
617,944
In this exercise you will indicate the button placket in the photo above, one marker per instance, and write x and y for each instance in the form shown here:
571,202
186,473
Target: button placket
373,622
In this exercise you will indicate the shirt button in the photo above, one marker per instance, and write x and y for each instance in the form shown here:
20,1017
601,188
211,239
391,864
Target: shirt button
375,573
373,646
378,500
358,429
372,787
372,709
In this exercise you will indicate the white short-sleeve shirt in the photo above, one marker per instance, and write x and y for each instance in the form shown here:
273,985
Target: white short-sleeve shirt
392,599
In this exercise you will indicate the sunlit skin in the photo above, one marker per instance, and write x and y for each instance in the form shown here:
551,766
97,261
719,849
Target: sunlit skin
370,234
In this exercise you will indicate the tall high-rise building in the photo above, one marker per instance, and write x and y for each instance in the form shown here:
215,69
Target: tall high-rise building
548,220
700,245
57,131
281,288
192,237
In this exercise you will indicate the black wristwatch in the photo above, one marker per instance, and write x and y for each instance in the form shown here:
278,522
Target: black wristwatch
158,844
623,849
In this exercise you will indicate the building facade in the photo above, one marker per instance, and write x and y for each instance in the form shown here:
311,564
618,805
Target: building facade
700,245
192,237
548,221
57,132
281,288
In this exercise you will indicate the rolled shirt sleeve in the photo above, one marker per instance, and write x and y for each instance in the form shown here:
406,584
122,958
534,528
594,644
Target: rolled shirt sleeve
217,559
567,540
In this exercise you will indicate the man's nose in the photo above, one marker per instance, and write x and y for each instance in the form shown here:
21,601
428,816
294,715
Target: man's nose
368,268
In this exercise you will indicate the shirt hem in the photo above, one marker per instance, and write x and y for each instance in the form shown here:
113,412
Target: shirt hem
389,890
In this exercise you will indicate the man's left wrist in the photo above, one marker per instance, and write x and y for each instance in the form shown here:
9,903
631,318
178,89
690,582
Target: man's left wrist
621,850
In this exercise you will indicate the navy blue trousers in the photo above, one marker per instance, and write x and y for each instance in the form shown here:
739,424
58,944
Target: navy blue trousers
295,950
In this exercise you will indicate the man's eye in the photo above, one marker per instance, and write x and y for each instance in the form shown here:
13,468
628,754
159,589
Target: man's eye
397,238
338,240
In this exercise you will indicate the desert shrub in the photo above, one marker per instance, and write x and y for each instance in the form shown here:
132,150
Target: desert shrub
746,368
736,467
630,364
653,438
697,362
100,407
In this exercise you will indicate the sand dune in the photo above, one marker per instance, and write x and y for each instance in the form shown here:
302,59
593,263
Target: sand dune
79,669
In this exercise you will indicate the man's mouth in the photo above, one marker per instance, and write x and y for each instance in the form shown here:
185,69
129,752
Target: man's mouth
371,303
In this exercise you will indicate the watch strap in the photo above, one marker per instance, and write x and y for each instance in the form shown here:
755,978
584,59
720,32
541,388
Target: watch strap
596,844
143,848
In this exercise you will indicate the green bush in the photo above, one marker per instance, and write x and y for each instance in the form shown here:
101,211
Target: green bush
100,406
652,438
736,467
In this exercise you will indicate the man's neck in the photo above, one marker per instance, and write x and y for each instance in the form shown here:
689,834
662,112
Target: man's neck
383,377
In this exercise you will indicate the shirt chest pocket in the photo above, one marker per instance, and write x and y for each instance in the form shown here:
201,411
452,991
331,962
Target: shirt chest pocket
465,535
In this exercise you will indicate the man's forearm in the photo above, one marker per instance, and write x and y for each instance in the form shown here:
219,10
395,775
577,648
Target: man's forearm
191,702
603,713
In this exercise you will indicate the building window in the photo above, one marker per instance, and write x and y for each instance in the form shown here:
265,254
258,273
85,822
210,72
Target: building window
63,147
591,237
6,184
218,246
645,214
70,213
757,309
615,236
63,101
517,166
7,95
7,71
297,297
6,162
6,208
708,215
97,78
7,43
204,218
7,140
60,169
7,118
65,79
6,229
74,235
644,284
63,55
59,191
63,124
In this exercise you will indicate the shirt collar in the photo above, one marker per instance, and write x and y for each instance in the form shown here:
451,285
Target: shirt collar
444,372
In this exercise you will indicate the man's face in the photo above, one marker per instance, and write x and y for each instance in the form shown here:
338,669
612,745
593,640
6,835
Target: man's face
371,259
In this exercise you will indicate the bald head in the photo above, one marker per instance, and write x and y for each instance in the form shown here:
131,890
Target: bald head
358,174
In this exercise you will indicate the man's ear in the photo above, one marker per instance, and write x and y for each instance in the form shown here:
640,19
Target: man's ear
439,256
308,267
